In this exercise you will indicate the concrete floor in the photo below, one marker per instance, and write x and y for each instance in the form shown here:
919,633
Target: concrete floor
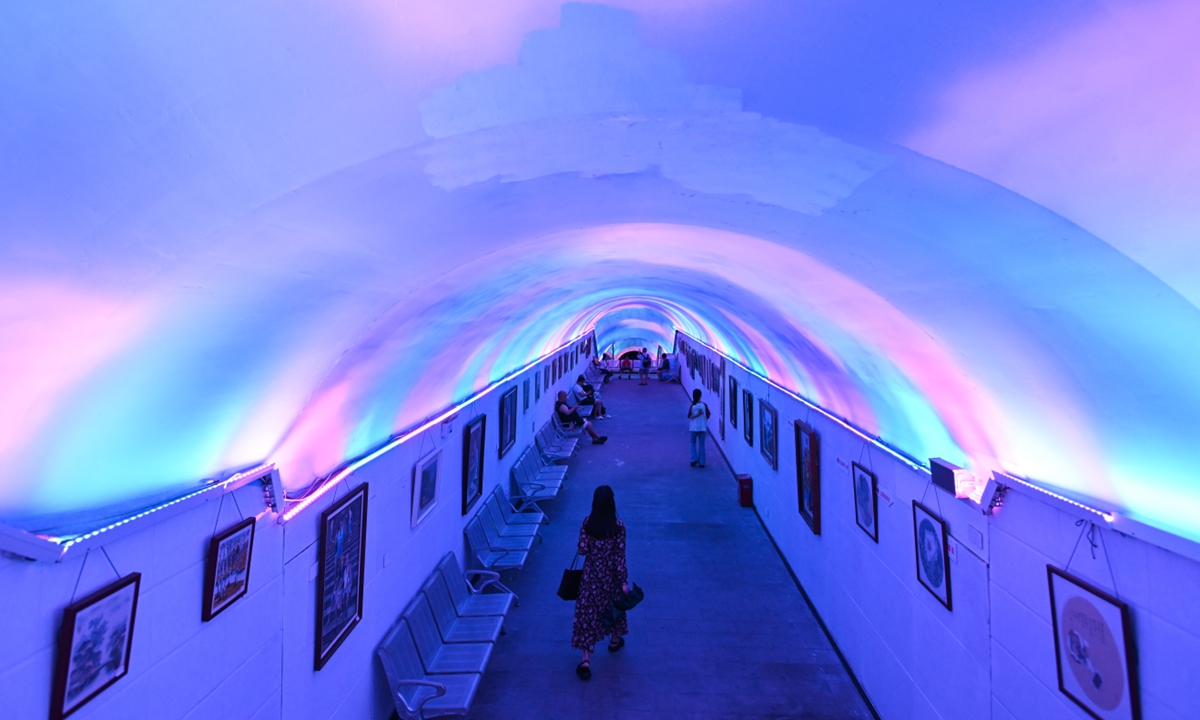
723,631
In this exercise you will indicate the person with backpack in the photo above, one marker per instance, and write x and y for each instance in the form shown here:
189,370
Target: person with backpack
698,415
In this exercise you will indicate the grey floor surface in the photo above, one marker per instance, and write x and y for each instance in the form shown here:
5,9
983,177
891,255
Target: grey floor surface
723,631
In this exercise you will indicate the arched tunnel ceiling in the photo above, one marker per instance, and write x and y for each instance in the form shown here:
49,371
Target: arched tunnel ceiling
244,237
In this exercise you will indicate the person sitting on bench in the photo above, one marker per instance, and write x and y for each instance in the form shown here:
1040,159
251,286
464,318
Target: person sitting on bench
584,393
602,366
569,415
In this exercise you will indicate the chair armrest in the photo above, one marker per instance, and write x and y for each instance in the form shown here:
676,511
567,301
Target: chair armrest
438,687
488,577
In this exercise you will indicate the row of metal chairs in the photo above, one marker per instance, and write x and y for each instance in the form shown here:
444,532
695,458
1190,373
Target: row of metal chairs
437,652
435,655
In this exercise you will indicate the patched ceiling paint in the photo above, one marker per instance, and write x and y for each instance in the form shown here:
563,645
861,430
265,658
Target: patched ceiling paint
231,239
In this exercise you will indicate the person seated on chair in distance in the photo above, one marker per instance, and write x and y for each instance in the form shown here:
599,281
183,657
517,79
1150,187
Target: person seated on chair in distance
569,415
584,393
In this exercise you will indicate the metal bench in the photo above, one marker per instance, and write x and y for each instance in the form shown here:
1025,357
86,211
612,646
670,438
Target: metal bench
493,515
468,598
415,692
439,657
455,629
512,516
554,448
496,559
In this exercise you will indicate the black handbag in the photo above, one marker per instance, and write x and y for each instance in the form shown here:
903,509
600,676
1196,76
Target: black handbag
568,589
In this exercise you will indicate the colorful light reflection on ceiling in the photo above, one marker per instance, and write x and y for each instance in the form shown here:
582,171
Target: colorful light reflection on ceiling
218,253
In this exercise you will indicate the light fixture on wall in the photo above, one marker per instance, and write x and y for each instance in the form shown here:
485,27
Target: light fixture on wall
951,478
448,425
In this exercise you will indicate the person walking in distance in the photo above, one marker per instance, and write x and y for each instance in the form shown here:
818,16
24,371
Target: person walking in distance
644,372
602,545
698,415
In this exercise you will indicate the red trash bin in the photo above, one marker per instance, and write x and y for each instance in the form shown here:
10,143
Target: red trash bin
745,490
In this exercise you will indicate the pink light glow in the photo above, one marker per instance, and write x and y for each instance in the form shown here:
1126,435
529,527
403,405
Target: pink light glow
54,337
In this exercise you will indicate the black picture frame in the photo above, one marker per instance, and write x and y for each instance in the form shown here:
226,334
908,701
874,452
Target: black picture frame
227,573
734,410
721,399
546,378
932,544
508,420
866,500
525,396
1090,657
95,640
472,477
768,433
808,475
341,572
748,417
537,385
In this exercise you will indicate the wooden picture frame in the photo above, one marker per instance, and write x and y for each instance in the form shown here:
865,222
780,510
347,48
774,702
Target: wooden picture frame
748,417
94,643
472,475
1094,648
768,433
932,541
227,574
808,475
426,486
341,572
866,500
734,410
508,420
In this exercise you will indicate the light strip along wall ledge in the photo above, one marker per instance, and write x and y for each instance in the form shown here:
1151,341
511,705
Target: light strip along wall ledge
874,440
34,546
341,474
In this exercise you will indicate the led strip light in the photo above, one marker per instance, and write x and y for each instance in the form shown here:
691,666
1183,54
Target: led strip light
792,394
1107,517
66,543
400,439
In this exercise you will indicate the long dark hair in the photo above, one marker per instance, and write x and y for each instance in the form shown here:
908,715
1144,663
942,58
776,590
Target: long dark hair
602,523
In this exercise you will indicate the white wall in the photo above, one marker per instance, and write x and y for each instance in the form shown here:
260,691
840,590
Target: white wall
254,660
993,655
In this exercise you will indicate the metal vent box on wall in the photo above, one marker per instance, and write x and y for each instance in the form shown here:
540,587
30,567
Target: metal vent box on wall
949,477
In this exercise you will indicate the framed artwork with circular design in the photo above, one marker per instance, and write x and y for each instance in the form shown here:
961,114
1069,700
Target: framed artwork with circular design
1094,648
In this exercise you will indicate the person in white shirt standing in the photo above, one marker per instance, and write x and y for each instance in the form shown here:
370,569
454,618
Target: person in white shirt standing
698,415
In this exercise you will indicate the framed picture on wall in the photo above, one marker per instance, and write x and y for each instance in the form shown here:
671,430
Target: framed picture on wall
933,553
426,485
1094,648
525,396
733,402
227,573
546,378
341,552
508,420
768,422
808,475
94,642
866,501
472,477
748,417
537,385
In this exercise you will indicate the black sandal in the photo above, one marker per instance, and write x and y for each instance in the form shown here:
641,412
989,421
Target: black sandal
583,671
615,646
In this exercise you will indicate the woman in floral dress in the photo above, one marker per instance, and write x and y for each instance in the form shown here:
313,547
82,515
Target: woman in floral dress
602,543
